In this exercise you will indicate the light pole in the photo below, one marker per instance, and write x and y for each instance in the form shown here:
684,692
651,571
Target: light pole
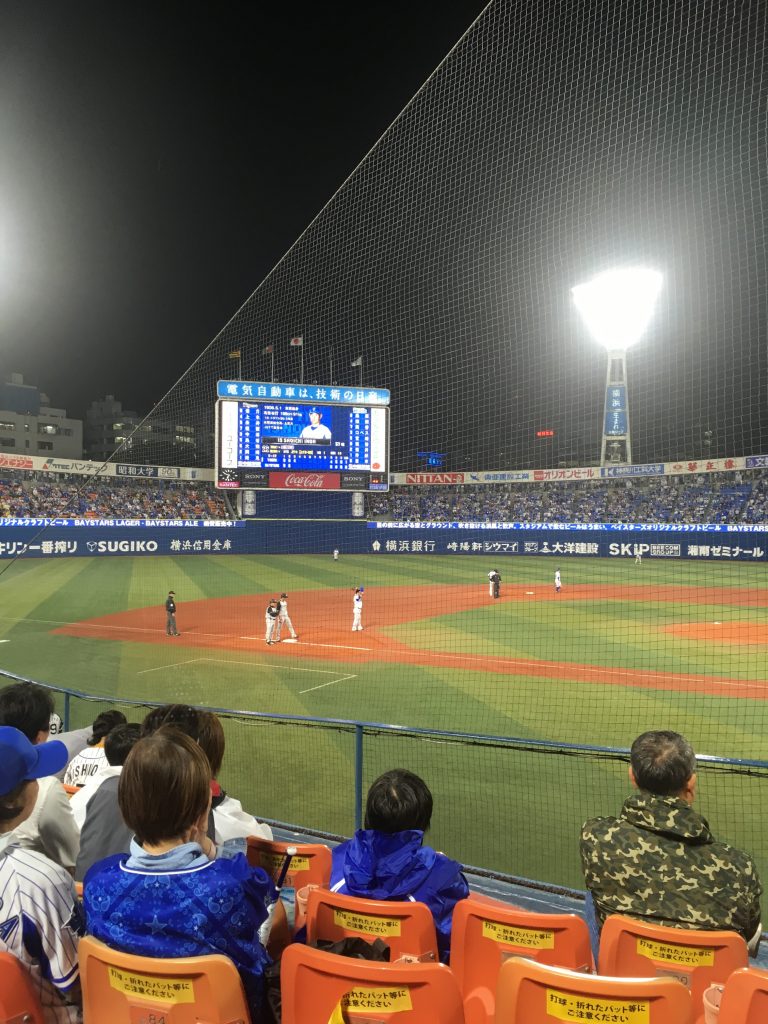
616,307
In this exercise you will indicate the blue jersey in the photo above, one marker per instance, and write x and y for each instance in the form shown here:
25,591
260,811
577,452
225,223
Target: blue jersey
214,907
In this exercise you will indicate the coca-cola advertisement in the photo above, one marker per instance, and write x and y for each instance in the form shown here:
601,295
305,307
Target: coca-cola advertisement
306,481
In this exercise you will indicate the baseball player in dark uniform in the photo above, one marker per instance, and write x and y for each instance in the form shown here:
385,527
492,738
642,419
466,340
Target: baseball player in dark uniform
170,614
270,620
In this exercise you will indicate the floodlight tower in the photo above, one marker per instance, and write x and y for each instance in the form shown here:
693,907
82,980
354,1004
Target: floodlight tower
617,306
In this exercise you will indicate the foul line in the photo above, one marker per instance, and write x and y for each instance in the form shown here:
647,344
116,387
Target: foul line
341,679
175,664
308,643
248,664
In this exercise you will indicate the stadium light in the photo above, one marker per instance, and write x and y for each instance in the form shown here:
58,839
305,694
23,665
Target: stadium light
616,307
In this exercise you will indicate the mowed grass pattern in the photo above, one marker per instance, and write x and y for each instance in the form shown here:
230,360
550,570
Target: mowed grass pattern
511,810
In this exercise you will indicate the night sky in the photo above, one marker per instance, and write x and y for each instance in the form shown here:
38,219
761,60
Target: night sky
157,162
157,159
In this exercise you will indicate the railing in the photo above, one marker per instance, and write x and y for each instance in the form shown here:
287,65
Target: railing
512,804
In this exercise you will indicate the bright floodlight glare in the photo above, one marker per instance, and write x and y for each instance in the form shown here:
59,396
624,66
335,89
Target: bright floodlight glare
617,305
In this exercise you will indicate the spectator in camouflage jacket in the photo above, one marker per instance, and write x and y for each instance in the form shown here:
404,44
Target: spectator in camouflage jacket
659,861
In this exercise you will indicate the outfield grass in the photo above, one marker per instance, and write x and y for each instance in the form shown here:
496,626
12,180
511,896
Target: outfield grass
483,793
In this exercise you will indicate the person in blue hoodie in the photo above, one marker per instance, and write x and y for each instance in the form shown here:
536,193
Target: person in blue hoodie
387,860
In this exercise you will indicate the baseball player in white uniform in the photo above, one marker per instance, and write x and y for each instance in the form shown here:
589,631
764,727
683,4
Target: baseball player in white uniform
284,618
40,918
357,609
494,579
270,620
558,581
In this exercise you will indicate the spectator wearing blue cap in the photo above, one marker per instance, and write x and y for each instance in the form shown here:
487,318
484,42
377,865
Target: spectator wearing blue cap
315,430
50,827
40,917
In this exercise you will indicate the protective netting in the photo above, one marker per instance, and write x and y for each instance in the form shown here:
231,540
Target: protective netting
539,797
556,141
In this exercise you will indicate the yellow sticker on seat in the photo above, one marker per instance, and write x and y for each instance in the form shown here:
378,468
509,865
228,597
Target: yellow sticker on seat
366,924
164,990
389,999
566,1006
512,935
674,955
272,862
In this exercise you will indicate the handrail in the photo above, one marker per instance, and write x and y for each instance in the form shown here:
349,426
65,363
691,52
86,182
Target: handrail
360,725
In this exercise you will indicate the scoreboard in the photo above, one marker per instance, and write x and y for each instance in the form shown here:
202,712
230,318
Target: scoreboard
301,437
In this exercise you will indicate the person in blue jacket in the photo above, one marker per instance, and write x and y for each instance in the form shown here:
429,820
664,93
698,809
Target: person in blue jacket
171,896
387,860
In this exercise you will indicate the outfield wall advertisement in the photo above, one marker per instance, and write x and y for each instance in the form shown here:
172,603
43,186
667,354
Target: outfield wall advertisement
66,538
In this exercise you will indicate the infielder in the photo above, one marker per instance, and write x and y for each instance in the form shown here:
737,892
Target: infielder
494,583
357,609
558,581
270,619
284,618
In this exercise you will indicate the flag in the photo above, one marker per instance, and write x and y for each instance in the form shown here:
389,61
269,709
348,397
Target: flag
235,353
297,341
268,350
358,361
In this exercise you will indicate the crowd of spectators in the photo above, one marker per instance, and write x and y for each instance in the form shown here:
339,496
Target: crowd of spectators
740,497
161,821
51,496
703,498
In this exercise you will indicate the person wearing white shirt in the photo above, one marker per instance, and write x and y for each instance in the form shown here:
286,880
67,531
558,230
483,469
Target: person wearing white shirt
93,758
558,581
284,619
49,826
357,609
315,430
40,917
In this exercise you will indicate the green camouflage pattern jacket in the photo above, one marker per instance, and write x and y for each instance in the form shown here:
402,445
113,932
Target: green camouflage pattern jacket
659,861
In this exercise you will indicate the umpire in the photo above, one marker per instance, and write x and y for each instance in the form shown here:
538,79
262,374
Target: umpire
170,614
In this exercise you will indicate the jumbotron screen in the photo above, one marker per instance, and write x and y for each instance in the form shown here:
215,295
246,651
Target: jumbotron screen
290,438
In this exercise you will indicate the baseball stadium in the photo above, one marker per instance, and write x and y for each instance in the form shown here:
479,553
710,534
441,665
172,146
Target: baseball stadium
525,338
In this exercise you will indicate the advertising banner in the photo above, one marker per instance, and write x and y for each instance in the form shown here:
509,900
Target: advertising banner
616,411
98,542
151,538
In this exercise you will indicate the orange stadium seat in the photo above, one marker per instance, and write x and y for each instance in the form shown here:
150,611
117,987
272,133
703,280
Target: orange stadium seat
407,927
310,866
745,997
485,933
697,958
534,993
18,1000
125,989
320,988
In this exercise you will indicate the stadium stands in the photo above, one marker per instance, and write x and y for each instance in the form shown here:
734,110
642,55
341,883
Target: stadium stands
704,498
27,495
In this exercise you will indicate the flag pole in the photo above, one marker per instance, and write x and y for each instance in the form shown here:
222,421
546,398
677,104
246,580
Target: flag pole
272,357
361,371
301,378
330,366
